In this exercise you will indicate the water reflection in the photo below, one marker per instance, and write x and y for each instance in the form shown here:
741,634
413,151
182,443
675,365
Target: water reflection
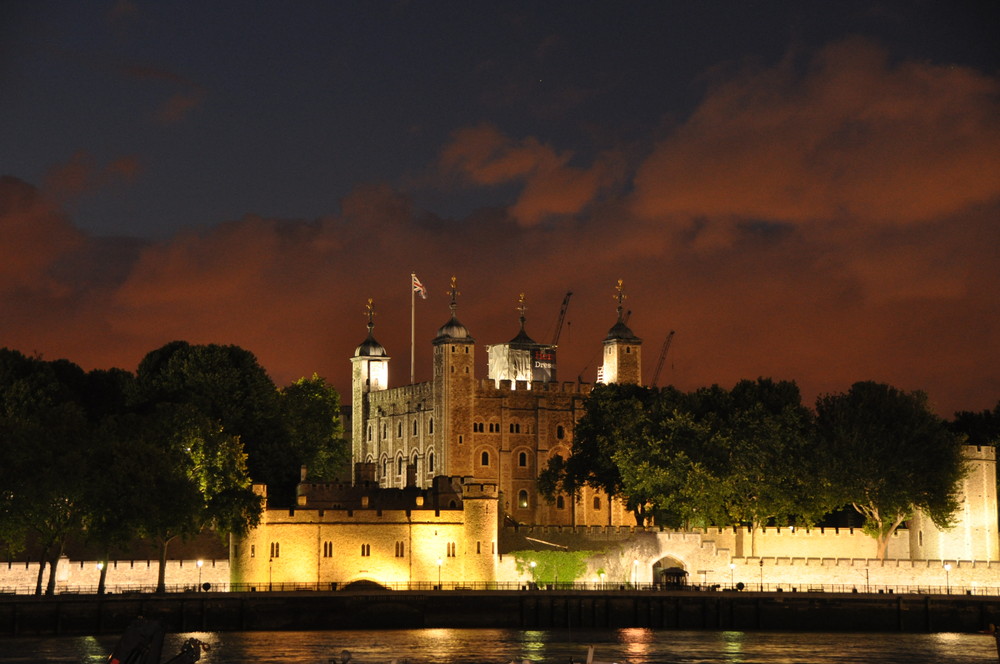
482,646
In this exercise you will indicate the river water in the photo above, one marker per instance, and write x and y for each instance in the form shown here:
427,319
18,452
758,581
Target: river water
480,646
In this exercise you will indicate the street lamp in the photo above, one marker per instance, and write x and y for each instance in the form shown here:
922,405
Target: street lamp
732,573
947,577
439,573
532,565
762,575
200,563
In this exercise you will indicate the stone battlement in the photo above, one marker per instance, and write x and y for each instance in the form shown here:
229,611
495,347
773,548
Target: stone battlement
488,387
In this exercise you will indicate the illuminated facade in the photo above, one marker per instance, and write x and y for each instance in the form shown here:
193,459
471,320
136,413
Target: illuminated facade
502,429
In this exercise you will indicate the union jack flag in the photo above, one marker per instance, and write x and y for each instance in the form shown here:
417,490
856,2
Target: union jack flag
418,287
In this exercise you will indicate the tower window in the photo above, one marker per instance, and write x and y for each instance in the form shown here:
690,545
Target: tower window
560,503
275,549
399,465
366,550
430,462
399,430
560,432
522,460
522,499
327,549
515,428
369,433
484,459
430,425
414,427
451,549
597,502
400,549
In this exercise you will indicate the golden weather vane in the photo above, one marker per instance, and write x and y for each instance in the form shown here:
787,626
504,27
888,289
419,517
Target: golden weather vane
620,296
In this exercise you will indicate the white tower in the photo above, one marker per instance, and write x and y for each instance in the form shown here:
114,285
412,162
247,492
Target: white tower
369,373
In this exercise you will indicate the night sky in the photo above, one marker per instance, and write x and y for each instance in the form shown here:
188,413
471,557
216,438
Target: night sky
802,190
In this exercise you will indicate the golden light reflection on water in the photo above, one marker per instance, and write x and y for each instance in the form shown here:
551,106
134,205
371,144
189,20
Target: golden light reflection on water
732,646
638,641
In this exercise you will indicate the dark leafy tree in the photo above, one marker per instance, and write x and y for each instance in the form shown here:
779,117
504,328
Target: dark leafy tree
44,459
310,410
887,454
228,385
614,418
185,474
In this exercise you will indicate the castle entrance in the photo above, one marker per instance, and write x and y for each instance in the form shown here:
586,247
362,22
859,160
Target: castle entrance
670,572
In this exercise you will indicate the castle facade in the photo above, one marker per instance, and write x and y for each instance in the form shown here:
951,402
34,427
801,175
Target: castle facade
500,430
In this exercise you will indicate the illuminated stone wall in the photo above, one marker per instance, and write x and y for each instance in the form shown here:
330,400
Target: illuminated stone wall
385,546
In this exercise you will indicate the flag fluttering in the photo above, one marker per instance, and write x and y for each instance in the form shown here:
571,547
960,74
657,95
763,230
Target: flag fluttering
418,287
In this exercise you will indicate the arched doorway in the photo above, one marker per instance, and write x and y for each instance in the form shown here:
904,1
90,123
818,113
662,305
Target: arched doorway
669,572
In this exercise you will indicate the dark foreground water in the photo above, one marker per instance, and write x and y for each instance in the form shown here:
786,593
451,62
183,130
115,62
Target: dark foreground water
467,646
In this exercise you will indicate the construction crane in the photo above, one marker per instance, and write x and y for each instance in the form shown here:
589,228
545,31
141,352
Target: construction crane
663,355
562,318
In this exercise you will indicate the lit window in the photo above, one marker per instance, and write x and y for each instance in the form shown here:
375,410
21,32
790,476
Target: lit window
522,499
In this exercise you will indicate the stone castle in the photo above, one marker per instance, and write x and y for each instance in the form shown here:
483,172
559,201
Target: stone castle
444,489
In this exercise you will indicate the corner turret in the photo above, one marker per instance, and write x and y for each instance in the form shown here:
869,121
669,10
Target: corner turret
622,349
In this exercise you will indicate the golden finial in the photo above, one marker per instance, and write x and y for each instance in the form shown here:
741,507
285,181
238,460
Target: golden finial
370,313
621,297
454,296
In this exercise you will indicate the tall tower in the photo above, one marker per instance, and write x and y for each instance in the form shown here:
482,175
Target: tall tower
369,373
454,392
622,350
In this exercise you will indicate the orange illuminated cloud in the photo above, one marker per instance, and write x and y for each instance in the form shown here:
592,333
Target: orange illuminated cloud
851,136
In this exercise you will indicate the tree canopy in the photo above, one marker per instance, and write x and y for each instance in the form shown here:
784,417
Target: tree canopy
163,453
755,455
888,455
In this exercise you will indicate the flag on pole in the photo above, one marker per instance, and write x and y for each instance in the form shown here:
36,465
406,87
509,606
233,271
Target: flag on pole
419,287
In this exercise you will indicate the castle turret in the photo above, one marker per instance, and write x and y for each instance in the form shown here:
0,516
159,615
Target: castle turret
369,373
622,350
480,504
522,358
454,386
974,535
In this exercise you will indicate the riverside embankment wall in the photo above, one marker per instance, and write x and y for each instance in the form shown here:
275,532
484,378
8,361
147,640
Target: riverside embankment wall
21,616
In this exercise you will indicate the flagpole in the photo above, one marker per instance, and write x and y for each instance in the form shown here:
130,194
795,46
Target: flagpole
413,318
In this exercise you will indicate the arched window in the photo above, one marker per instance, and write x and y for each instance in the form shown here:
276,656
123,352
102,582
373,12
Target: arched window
369,433
522,499
560,432
414,427
522,460
430,425
430,462
399,465
399,430
484,459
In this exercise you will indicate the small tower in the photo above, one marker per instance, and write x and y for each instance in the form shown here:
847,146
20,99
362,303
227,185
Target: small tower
369,373
454,392
622,350
521,359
